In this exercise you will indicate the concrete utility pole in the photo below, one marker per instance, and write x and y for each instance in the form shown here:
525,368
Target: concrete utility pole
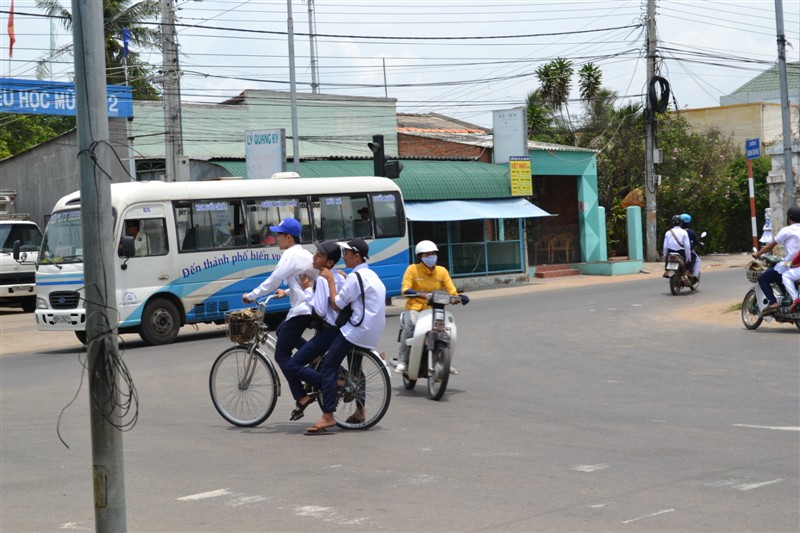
785,112
313,44
171,79
650,180
94,153
293,90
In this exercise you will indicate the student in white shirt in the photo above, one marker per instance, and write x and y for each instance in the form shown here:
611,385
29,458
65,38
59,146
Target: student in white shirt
789,238
363,329
318,298
676,240
294,262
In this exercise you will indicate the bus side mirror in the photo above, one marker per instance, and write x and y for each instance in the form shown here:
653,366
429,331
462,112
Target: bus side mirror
127,247
16,250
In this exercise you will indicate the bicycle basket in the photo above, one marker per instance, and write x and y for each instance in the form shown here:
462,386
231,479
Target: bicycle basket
753,270
242,325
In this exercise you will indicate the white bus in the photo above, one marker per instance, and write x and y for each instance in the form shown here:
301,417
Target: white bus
209,242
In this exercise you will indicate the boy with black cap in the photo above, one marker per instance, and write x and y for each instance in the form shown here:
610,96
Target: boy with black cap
328,254
364,291
294,262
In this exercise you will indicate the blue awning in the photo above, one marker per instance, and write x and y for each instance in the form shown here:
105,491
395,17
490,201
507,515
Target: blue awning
448,210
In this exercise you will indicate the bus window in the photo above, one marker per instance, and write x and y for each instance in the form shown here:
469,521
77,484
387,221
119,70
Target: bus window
388,215
207,224
150,235
339,217
263,213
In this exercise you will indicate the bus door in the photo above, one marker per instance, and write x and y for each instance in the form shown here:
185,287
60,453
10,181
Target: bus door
150,269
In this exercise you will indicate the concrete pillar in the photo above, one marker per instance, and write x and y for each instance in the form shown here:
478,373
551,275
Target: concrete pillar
601,234
634,222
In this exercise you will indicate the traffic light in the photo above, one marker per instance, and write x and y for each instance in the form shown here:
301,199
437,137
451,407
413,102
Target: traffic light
380,166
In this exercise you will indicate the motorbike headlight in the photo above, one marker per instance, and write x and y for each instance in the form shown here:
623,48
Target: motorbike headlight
440,298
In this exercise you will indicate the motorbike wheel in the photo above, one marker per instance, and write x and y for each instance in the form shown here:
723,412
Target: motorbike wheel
409,384
437,378
751,315
675,284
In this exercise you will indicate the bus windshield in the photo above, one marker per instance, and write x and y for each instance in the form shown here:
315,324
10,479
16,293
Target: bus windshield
63,240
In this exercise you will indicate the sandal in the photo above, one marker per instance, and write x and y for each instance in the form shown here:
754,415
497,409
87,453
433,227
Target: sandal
297,413
355,418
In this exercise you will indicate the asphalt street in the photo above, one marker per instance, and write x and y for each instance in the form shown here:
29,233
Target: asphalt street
602,406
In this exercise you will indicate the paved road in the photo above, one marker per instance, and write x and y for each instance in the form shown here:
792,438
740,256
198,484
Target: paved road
603,407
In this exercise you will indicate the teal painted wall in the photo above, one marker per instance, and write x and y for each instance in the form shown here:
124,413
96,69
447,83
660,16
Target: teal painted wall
583,166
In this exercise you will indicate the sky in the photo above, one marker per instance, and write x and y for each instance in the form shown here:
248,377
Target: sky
462,58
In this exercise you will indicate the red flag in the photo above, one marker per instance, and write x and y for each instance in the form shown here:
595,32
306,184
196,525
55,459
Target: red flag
11,38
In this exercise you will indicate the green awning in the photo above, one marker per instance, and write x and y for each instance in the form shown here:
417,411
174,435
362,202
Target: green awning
419,180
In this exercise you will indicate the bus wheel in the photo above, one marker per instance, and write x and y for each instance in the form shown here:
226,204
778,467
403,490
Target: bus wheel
160,322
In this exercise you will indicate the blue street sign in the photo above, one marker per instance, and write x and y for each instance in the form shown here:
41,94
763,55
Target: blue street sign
753,148
37,97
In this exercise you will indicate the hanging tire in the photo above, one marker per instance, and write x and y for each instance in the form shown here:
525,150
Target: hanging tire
440,374
751,315
160,322
675,284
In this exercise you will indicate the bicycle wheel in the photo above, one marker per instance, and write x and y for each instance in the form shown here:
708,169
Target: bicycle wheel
751,315
437,378
366,387
243,400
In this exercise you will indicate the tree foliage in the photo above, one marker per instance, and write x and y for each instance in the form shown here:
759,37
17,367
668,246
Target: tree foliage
20,132
118,15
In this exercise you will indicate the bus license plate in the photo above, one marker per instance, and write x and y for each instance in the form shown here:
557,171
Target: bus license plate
62,319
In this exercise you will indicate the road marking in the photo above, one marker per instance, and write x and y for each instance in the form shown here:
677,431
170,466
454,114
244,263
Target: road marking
648,516
590,468
774,428
751,486
600,505
205,495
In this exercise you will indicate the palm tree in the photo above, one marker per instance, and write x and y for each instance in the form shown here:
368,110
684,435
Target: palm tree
590,79
118,15
555,79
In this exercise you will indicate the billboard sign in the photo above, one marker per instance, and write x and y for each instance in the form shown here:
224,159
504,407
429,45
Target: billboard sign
41,97
510,132
520,170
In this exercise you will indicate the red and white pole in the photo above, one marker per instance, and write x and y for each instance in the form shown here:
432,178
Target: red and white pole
752,202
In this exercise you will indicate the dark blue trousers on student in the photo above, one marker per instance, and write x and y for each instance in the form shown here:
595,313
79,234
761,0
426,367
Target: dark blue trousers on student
290,337
310,351
765,280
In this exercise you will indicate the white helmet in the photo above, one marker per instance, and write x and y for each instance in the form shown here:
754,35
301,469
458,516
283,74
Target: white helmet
425,247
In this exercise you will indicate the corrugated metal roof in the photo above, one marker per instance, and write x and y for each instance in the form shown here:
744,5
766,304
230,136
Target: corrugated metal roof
769,80
419,180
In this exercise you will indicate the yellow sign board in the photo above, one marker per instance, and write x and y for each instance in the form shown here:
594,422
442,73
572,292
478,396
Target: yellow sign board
520,170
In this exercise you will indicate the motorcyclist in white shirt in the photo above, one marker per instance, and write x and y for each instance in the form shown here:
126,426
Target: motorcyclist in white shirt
676,240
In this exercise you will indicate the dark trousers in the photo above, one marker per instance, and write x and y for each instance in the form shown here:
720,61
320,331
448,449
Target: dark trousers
310,351
765,281
290,337
338,350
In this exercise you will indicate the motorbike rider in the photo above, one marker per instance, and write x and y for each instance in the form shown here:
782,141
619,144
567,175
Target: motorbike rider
676,240
790,278
423,276
789,238
694,265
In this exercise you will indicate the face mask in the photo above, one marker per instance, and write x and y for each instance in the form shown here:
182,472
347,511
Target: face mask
429,261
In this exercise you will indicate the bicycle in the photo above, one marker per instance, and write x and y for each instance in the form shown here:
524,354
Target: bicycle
244,383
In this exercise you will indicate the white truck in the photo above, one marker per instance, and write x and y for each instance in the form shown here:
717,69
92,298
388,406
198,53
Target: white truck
17,278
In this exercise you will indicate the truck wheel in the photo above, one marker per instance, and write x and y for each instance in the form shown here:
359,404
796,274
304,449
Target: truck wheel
160,322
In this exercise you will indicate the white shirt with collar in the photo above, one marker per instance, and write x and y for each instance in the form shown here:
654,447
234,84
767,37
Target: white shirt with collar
368,333
681,243
295,261
318,298
789,238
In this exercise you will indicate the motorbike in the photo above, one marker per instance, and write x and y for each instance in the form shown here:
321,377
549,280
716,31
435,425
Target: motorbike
433,343
755,301
675,271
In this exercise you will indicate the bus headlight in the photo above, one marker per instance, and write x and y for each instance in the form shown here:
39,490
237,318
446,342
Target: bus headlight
41,303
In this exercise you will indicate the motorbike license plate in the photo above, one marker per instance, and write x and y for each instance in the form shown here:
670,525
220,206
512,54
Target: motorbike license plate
62,319
672,266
